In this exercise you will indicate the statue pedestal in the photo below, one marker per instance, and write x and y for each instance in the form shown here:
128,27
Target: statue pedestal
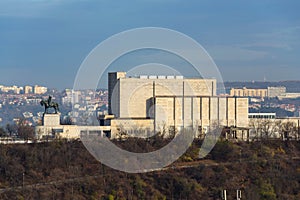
51,119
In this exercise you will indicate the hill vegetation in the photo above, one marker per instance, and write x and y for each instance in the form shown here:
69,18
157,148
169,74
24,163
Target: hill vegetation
66,170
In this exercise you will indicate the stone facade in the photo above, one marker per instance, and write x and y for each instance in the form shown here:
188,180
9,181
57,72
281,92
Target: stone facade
132,127
159,103
200,112
51,119
128,96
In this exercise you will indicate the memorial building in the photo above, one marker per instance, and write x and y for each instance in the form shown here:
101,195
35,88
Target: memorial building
148,104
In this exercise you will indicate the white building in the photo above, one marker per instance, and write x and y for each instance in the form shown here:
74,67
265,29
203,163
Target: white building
39,89
51,128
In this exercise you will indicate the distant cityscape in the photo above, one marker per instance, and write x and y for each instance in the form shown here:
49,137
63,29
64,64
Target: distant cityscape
281,98
17,102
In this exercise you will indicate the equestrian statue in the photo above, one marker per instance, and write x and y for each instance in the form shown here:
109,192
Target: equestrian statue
48,103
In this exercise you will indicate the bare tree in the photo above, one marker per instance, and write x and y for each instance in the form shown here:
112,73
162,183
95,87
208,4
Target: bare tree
11,129
24,130
288,130
265,128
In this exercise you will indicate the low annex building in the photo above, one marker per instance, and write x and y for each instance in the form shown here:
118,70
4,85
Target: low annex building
51,128
268,125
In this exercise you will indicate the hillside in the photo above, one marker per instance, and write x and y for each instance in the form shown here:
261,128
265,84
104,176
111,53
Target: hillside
66,170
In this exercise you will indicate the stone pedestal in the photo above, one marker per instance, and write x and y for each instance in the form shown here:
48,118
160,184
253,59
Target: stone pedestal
51,119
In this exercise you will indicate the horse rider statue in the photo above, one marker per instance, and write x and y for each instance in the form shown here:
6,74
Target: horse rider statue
49,104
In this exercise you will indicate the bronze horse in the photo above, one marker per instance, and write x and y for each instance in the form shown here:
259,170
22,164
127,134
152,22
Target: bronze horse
49,104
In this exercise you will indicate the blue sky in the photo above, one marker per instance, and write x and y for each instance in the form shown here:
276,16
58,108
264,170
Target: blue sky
46,40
